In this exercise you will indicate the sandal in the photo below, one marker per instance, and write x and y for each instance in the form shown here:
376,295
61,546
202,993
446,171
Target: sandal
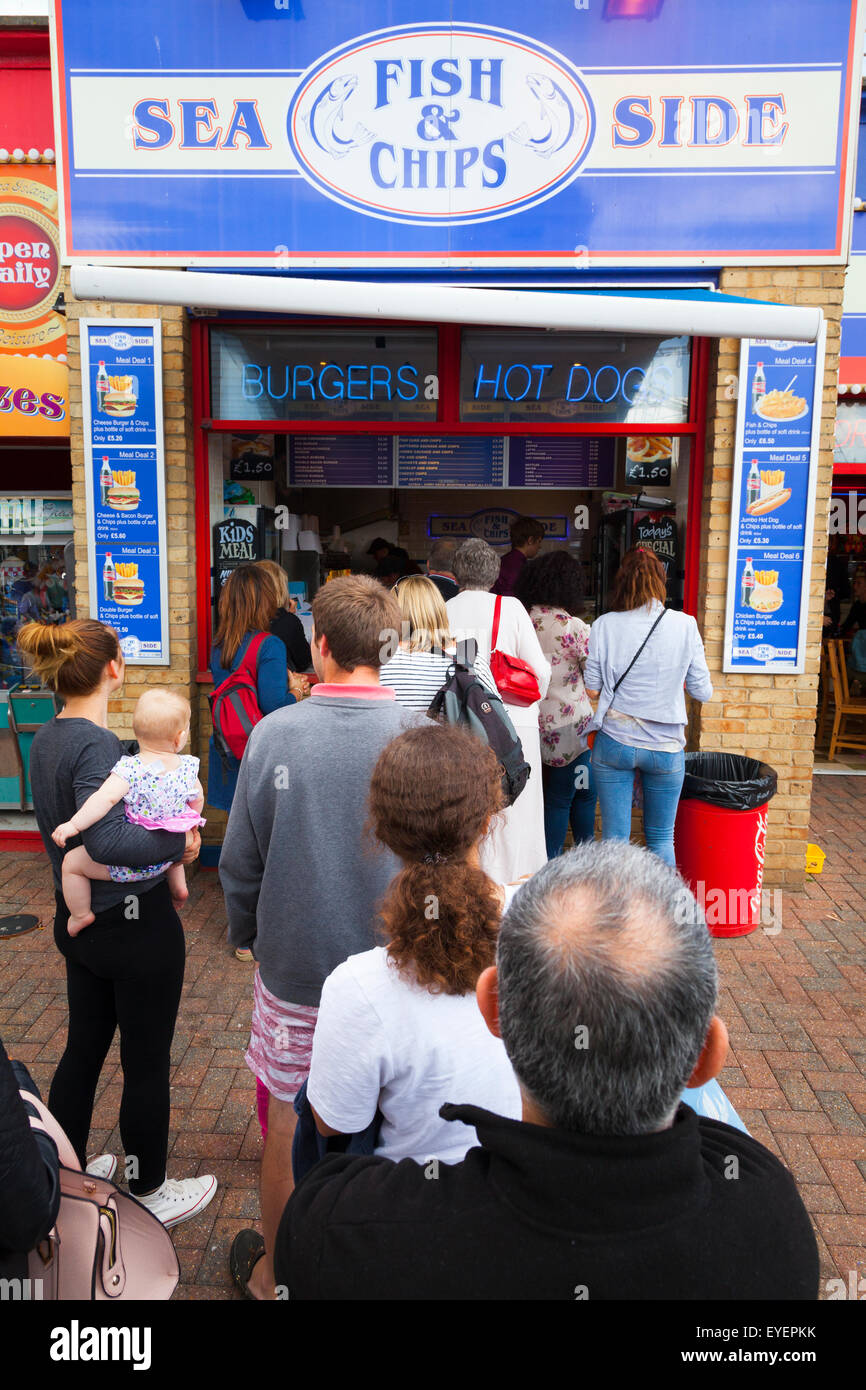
243,954
247,1249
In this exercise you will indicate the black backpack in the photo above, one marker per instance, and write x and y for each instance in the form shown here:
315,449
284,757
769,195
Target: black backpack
466,702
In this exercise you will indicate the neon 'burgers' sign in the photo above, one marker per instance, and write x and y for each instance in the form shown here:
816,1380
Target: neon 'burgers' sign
443,124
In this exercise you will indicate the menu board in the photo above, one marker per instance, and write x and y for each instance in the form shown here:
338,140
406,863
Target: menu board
775,469
562,461
235,542
252,458
341,460
455,461
657,531
121,371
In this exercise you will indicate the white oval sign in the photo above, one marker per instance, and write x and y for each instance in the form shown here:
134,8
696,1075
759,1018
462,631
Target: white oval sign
441,123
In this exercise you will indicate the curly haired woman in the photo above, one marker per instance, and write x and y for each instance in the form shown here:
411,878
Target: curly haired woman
398,1027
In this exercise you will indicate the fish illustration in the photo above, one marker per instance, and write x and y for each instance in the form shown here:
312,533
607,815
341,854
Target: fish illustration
326,119
555,121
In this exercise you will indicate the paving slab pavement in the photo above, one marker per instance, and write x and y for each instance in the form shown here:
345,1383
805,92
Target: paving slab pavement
794,1002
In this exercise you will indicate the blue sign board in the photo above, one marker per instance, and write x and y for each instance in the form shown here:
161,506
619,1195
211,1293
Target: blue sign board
475,133
775,469
341,460
550,460
450,461
121,372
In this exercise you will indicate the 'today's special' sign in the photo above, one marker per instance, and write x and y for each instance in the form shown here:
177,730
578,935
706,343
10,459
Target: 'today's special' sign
773,504
121,370
551,134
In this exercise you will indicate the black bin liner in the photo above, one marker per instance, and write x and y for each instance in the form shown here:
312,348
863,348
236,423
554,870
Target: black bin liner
729,780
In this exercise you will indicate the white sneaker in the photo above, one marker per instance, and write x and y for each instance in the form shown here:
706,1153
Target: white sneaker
105,1166
178,1200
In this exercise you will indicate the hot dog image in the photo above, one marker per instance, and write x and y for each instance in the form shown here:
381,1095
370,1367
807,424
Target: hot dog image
773,493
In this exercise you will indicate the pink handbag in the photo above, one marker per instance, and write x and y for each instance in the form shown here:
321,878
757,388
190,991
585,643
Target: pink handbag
105,1245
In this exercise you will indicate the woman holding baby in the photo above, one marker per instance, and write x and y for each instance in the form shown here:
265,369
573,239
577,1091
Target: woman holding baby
125,954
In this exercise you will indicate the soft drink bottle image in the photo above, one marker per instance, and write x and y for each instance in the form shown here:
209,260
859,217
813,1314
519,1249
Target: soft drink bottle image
753,486
108,578
759,385
748,585
105,479
101,385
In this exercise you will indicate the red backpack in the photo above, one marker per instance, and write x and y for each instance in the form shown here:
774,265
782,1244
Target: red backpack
234,706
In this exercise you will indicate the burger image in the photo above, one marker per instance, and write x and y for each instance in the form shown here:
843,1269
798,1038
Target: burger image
123,495
128,588
119,399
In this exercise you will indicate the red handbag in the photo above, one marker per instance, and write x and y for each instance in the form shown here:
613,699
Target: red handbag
515,680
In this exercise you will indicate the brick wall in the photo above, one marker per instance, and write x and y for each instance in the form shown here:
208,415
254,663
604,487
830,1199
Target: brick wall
180,510
767,717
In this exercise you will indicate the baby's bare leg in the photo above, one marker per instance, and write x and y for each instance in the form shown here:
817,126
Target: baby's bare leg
177,884
77,871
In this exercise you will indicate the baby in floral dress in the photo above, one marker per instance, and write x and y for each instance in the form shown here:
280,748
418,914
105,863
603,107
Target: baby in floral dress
161,790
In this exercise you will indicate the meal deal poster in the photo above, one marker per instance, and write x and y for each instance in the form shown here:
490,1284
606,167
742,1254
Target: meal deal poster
121,369
775,467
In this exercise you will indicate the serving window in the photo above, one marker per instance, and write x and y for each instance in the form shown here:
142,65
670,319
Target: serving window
322,436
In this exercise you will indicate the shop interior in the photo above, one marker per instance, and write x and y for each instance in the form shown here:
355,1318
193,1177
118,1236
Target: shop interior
337,524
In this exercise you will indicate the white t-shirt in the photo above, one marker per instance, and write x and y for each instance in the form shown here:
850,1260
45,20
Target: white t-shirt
384,1041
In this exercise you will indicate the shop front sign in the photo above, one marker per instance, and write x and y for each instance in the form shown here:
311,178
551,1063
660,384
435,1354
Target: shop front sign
34,517
329,374
33,380
549,377
121,374
492,525
546,135
849,439
773,506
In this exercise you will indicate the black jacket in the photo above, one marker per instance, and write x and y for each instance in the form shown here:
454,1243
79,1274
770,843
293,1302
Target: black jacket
290,630
698,1211
29,1174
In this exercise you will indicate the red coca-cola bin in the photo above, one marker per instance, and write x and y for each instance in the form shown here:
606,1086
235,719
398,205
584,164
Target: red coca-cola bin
720,834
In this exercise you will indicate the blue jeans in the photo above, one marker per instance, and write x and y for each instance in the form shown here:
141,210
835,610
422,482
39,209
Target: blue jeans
567,800
614,765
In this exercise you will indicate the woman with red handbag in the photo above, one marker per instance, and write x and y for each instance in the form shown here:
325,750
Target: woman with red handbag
507,640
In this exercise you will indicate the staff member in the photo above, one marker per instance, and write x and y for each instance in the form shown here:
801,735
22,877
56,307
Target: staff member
526,537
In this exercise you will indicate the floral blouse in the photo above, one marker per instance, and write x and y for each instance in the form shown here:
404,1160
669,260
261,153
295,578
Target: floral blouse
565,710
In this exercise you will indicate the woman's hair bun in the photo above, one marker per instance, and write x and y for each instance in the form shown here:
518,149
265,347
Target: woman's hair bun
70,658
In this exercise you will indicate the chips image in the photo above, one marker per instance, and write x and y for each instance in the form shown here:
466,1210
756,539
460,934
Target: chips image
781,405
120,398
766,595
123,495
128,588
641,448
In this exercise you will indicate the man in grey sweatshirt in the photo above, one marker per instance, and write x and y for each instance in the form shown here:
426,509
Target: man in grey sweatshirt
302,876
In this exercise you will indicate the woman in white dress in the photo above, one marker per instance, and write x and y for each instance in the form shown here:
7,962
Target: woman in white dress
420,665
399,1029
516,844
